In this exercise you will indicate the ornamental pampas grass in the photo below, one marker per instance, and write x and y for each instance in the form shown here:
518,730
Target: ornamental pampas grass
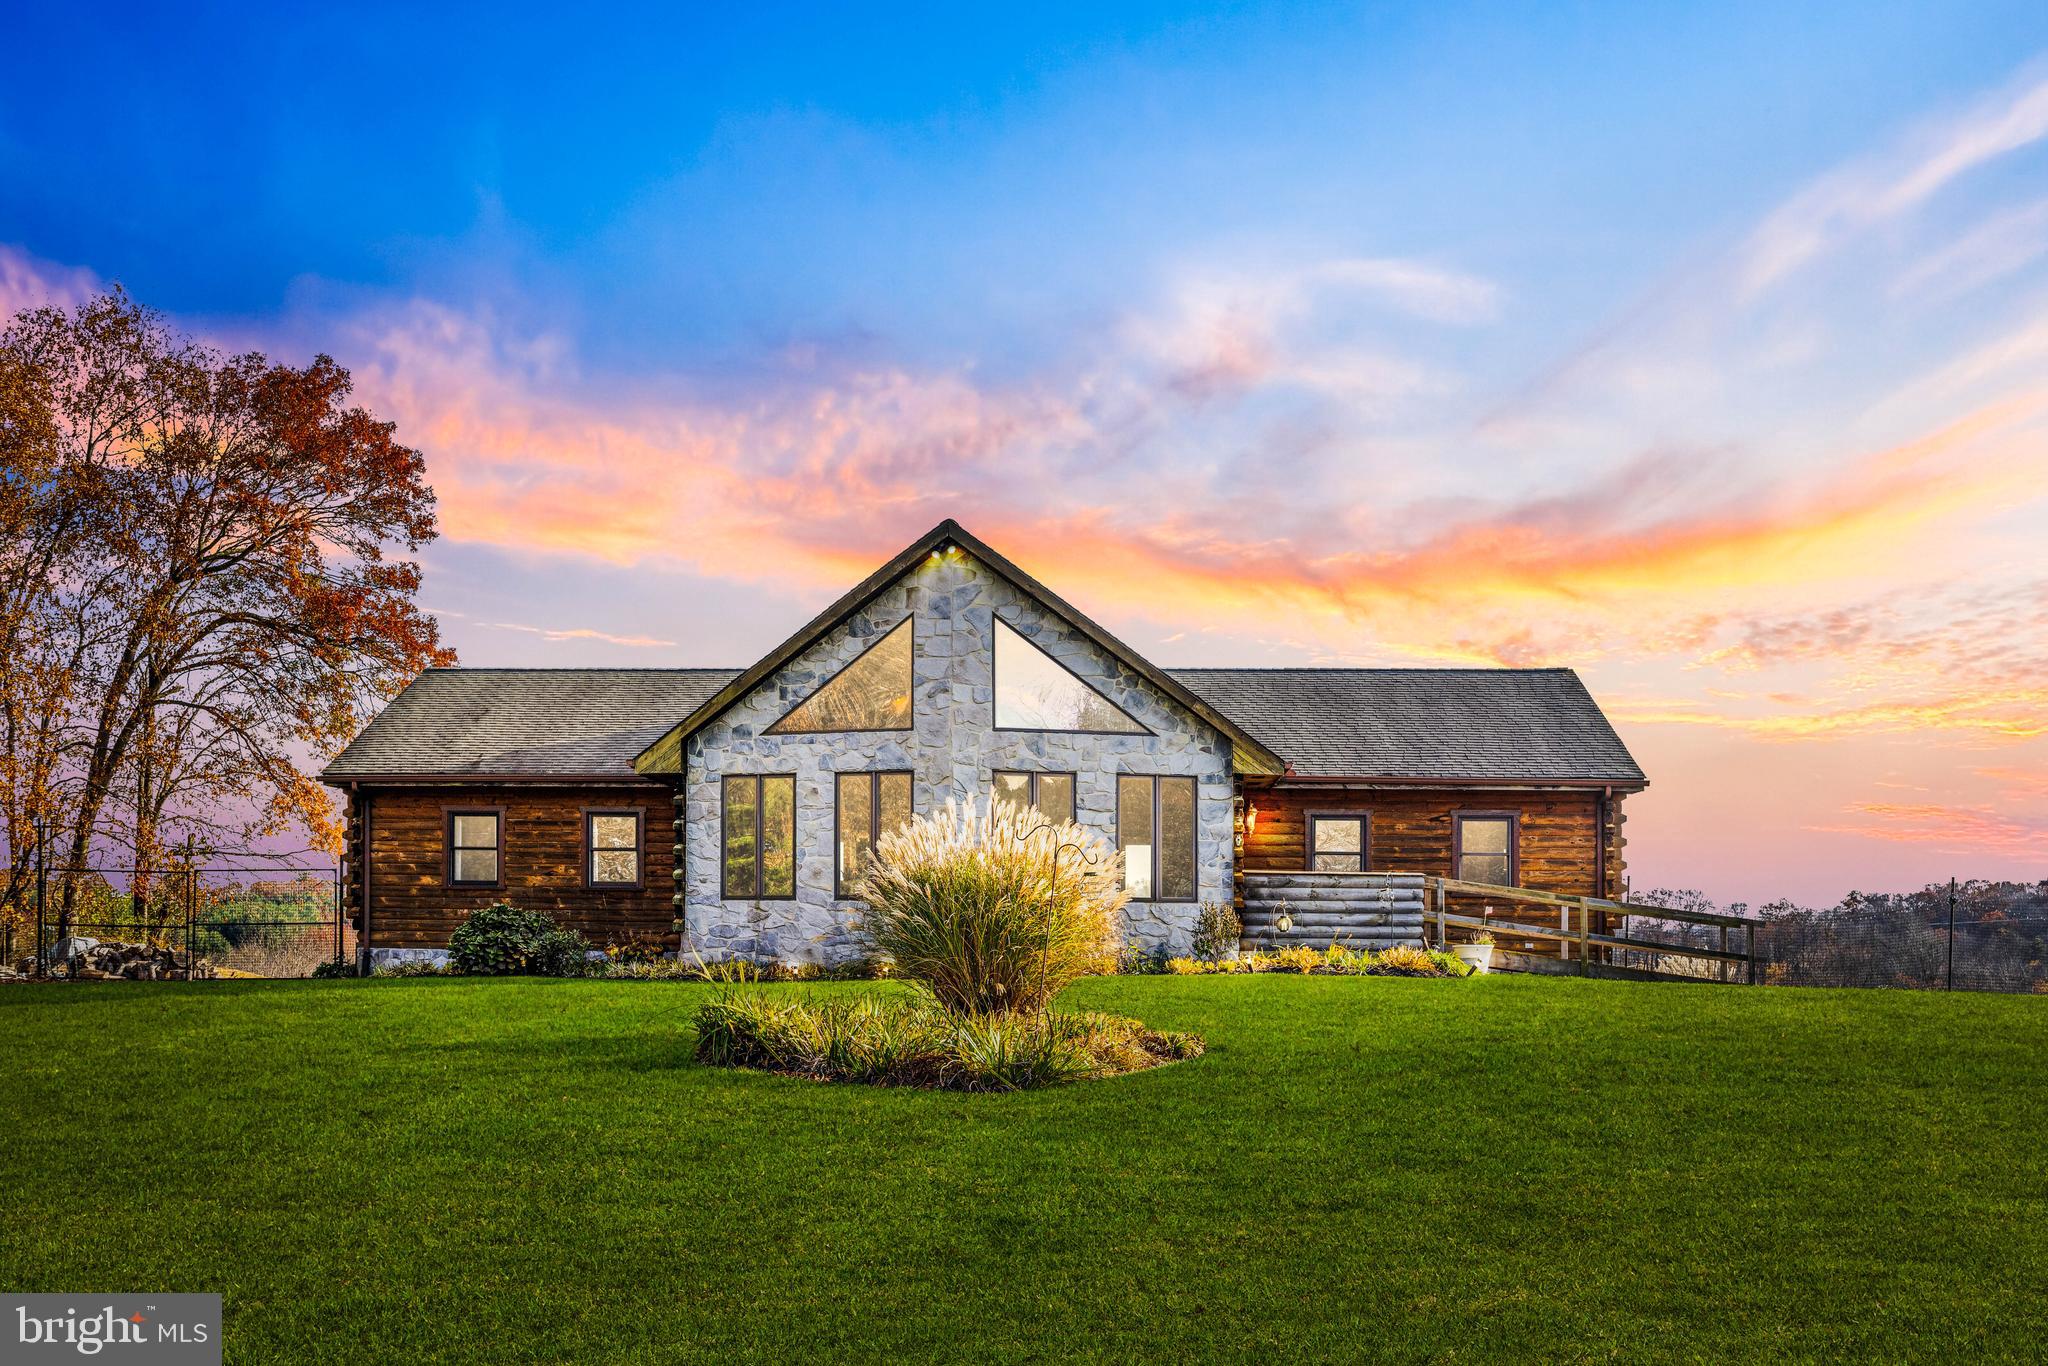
992,912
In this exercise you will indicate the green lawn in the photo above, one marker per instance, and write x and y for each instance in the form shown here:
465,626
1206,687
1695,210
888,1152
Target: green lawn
537,1171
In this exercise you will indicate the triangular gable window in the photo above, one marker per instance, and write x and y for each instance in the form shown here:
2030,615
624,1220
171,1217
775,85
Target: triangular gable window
872,693
1034,691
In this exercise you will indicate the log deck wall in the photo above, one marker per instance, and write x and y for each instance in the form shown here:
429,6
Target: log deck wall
1358,910
412,905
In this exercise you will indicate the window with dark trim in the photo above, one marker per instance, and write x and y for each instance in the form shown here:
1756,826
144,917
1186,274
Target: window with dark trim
1339,842
1049,794
870,693
476,848
611,848
1155,830
1035,691
1485,847
867,807
757,837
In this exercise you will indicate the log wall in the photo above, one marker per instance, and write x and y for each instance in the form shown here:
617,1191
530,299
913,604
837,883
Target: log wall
1357,910
412,905
1411,832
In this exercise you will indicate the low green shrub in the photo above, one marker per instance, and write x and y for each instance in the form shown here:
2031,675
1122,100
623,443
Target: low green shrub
1398,960
334,967
414,967
897,1041
503,941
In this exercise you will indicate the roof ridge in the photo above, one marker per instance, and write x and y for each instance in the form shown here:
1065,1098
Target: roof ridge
581,669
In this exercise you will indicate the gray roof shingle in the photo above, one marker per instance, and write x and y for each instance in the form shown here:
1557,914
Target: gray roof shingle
1538,725
524,722
1501,724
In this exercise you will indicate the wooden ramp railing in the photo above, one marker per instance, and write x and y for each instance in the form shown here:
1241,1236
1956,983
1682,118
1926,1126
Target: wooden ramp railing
1605,951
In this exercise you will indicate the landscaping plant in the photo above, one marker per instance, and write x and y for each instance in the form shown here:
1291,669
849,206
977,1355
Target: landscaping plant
988,917
1217,931
992,913
503,941
1397,960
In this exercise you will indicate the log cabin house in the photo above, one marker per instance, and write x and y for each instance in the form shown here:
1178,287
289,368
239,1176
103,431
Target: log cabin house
728,811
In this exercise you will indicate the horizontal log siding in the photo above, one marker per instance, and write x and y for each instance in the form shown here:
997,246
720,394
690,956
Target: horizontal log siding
1411,832
411,907
1357,910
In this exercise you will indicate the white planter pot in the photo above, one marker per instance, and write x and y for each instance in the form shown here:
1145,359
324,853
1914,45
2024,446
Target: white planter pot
1478,957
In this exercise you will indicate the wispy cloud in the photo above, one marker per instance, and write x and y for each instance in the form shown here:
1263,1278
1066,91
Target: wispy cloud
1976,830
1891,184
581,633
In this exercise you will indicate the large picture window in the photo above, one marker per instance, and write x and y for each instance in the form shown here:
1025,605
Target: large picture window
758,837
1155,830
1050,794
872,693
476,848
1484,847
1034,691
1339,843
870,806
611,848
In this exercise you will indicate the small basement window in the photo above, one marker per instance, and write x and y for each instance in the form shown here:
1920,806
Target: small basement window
1484,848
611,844
475,848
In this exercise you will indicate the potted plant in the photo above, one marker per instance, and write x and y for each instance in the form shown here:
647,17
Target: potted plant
1476,953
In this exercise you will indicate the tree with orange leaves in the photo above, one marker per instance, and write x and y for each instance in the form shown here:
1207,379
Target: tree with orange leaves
203,586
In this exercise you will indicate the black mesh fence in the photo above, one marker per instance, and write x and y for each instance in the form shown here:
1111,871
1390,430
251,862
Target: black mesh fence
1865,948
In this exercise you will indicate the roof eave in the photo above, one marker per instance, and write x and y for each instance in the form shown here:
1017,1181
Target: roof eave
612,778
1409,780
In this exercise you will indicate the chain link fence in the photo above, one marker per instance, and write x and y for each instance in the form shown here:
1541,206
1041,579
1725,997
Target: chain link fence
251,918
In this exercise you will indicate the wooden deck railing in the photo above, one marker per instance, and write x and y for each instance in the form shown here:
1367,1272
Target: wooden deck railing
1577,938
1573,932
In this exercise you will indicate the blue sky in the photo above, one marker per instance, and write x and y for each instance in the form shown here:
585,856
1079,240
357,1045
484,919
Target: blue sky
1699,349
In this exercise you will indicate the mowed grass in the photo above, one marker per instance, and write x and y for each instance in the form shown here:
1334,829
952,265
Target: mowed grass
1509,1167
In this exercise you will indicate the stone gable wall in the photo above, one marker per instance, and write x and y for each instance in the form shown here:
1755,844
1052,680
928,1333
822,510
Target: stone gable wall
952,749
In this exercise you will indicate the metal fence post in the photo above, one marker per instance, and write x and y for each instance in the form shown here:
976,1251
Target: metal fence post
42,893
1949,970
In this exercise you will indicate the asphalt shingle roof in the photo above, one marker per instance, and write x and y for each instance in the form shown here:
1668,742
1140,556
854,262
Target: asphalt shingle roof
1537,725
1529,724
525,722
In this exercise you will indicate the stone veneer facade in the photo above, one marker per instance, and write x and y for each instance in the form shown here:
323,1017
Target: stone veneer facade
952,749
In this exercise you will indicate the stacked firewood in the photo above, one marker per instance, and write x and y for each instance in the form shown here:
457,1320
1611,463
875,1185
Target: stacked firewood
90,960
